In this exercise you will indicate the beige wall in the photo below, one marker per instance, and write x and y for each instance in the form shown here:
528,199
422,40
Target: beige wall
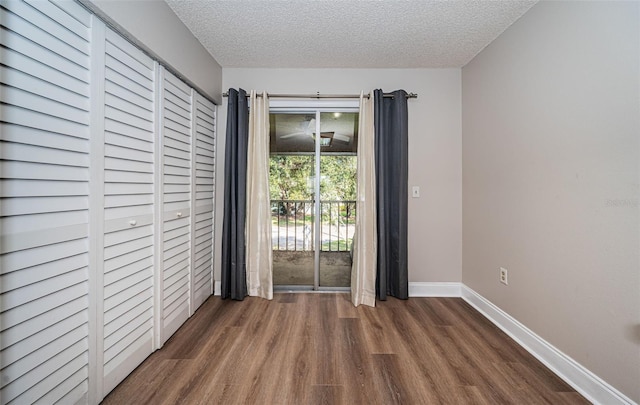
546,156
551,130
153,26
434,150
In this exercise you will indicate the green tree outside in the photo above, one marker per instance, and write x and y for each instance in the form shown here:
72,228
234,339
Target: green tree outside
290,177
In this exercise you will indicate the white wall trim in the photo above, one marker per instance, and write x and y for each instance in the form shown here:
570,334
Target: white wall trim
436,289
217,287
581,379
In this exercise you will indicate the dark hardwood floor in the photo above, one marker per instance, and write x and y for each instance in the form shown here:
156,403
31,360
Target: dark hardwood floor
319,349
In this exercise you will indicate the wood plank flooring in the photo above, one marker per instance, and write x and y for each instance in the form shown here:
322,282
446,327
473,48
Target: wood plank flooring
319,349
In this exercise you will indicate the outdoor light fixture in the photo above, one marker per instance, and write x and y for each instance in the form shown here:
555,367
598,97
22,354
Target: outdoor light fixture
325,138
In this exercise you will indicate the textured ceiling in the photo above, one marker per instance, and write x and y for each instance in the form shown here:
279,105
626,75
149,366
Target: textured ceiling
347,33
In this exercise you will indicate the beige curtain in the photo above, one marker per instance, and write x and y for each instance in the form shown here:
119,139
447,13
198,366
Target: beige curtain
258,222
363,272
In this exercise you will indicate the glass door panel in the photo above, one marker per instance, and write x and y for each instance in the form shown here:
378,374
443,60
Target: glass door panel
312,237
291,179
338,154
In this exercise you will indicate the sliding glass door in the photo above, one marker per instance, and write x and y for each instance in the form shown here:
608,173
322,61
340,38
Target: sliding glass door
313,188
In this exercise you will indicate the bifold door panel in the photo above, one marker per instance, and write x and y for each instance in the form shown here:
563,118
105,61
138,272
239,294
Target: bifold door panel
129,115
176,227
203,163
44,209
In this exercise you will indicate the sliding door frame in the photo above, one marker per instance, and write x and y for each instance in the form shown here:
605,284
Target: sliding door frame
316,107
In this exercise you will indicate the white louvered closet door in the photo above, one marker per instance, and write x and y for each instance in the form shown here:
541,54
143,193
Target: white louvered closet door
204,150
44,204
176,196
128,208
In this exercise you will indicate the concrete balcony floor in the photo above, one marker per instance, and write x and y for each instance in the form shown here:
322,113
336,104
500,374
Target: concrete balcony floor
296,268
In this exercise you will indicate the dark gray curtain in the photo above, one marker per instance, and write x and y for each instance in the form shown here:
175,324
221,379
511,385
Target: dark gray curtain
234,280
391,119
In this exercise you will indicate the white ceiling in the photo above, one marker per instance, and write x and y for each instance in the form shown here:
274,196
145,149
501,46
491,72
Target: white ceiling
347,33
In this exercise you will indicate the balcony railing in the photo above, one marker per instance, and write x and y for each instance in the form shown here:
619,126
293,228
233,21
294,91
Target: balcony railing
293,225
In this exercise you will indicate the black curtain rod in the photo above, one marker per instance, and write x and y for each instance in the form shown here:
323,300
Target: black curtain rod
319,96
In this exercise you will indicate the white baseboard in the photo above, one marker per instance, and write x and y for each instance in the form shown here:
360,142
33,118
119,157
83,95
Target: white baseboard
581,379
217,287
442,289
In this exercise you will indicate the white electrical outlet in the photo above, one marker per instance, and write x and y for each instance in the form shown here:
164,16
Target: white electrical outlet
504,276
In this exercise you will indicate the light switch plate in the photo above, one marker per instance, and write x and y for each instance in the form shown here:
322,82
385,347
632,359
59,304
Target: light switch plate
415,192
